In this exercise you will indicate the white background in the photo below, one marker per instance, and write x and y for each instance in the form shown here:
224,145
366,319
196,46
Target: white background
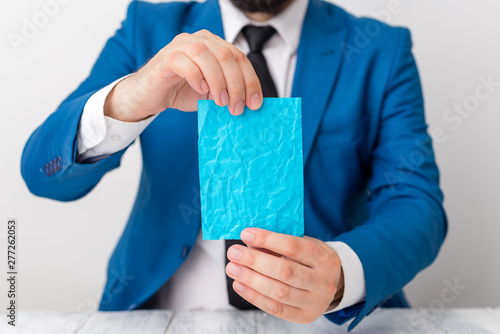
64,247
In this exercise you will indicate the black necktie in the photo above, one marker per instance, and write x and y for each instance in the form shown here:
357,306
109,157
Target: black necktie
256,38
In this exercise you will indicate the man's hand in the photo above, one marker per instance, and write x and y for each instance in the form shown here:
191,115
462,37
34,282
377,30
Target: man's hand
192,67
292,278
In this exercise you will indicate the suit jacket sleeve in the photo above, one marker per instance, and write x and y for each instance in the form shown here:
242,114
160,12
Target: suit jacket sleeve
407,223
48,163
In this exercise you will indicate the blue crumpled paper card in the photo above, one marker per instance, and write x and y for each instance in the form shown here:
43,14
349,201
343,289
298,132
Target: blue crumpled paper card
251,168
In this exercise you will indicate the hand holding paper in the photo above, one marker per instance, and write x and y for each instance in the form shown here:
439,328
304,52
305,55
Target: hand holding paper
251,168
296,279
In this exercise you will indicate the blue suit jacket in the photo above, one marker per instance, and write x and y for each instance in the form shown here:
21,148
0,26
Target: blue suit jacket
370,176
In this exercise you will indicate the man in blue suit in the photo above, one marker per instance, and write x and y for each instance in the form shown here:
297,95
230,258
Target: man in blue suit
372,205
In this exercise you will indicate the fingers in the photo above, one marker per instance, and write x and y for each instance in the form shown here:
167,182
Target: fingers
302,250
269,287
212,72
289,272
212,62
252,88
271,306
184,67
298,284
267,251
233,77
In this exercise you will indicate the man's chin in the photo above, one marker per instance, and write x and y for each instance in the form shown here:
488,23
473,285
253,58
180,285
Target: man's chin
272,7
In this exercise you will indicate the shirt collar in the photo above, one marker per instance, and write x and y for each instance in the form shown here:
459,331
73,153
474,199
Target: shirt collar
288,23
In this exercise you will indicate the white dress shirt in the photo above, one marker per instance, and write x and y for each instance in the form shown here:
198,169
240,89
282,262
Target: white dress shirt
200,283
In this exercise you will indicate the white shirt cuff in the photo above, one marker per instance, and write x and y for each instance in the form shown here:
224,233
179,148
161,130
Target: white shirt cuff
101,136
354,276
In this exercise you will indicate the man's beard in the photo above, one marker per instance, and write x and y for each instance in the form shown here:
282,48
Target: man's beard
263,6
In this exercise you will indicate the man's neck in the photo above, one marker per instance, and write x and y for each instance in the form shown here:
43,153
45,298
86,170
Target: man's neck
258,16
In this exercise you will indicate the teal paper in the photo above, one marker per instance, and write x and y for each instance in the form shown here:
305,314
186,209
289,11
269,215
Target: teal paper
251,168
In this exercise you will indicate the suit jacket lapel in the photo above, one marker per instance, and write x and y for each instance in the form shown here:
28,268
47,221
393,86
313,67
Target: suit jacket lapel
319,58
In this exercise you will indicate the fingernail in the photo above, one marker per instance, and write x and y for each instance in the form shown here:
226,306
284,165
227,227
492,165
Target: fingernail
234,253
255,101
234,269
224,97
239,286
238,110
247,236
204,86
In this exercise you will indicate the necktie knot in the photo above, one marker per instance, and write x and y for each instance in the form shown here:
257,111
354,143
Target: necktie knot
257,36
